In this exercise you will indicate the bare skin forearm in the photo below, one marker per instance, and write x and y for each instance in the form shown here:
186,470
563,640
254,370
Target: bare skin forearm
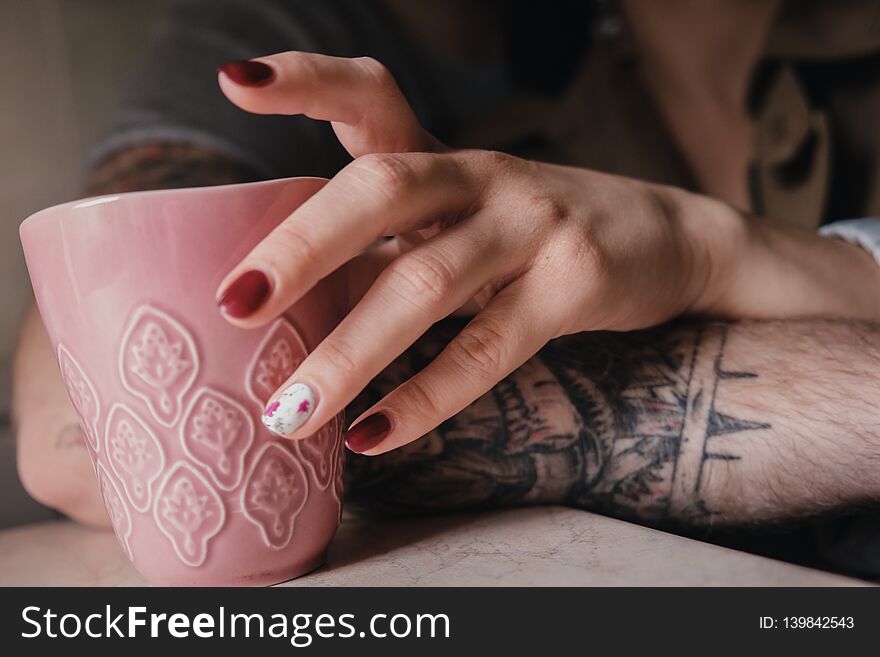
52,459
690,424
755,268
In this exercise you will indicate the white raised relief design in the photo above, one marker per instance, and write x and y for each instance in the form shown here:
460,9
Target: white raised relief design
82,395
189,512
93,456
274,493
120,518
158,362
339,471
217,432
134,453
279,354
319,451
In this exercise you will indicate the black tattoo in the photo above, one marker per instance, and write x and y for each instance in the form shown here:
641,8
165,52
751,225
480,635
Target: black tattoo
70,436
165,166
623,423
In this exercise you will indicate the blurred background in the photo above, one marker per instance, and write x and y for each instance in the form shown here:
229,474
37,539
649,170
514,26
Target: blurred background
62,63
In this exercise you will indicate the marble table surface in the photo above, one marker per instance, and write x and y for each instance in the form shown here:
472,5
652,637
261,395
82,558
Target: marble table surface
548,546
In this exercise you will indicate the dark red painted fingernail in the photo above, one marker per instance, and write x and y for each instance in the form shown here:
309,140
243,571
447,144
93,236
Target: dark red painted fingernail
248,73
245,294
368,433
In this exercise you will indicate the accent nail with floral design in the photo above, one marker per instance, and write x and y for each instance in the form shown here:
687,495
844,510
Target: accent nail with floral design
289,410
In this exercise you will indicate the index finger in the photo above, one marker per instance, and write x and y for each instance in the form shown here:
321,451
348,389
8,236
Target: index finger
359,96
373,196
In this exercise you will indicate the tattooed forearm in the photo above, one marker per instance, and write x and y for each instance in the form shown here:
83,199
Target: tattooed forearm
690,423
164,166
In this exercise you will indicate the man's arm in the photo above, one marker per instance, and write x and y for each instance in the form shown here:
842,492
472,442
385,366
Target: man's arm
52,460
695,423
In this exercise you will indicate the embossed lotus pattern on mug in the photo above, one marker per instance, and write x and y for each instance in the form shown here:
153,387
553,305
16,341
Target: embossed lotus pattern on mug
217,432
120,518
82,395
274,493
134,453
319,452
279,354
158,362
189,512
339,472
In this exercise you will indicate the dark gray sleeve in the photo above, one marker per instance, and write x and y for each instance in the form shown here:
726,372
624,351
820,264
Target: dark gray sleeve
173,93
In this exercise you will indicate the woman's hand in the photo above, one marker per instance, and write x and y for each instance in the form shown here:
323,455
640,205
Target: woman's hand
538,251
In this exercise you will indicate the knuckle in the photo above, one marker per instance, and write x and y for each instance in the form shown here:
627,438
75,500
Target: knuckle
291,244
556,315
581,251
418,399
499,161
548,208
391,173
336,356
497,167
596,260
423,279
303,65
479,349
542,203
376,72
581,265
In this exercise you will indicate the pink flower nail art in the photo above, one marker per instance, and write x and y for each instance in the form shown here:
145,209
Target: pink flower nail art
271,408
290,410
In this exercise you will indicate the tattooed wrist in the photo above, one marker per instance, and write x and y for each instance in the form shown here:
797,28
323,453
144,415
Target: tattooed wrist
655,423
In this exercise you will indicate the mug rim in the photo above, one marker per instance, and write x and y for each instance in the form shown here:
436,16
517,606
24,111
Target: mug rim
103,199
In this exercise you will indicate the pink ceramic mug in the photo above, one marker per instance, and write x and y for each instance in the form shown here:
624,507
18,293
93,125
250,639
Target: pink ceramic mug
169,394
